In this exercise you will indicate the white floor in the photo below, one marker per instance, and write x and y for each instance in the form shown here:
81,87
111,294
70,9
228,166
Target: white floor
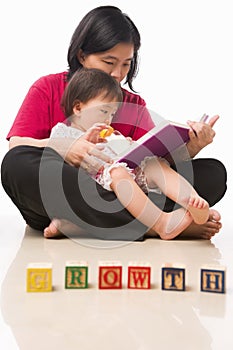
115,319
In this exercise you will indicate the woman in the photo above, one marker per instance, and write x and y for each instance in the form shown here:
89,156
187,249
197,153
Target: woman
90,100
35,175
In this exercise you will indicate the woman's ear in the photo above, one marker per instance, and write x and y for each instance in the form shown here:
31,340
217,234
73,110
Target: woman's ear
81,56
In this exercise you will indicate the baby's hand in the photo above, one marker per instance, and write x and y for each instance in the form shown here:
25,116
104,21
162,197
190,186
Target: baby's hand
129,139
106,132
93,133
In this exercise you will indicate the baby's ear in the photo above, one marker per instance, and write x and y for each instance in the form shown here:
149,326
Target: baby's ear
77,107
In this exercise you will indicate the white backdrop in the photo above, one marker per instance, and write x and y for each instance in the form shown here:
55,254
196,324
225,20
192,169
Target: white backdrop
186,60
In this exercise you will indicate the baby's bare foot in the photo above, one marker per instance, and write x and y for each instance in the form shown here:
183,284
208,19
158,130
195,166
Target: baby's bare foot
194,231
199,210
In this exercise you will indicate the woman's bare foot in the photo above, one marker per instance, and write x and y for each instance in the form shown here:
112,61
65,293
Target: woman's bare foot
206,230
170,225
52,230
199,209
60,228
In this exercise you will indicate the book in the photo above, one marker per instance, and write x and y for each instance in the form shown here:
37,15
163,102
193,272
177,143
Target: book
161,140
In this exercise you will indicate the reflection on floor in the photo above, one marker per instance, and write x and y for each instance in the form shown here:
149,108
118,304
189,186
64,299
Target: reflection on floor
118,319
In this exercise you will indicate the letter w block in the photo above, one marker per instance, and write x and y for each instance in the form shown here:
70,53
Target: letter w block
139,275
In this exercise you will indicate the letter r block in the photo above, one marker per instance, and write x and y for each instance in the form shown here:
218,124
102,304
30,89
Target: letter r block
110,275
139,276
76,275
213,279
173,278
39,277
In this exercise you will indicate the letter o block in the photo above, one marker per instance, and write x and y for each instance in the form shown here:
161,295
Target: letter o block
110,275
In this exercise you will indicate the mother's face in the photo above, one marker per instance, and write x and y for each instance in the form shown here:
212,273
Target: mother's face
115,62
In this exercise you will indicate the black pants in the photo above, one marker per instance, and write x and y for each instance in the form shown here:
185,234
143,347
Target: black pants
43,186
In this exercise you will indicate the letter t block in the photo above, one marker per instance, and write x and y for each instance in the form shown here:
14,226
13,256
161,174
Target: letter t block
39,277
173,278
76,275
139,275
110,275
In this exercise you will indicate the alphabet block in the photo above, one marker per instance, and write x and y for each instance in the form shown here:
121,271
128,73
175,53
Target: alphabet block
39,277
76,275
173,278
139,275
110,275
213,279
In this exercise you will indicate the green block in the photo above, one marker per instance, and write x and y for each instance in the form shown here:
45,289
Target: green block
76,276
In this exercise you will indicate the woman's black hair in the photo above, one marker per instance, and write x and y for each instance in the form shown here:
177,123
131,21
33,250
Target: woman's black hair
87,84
100,30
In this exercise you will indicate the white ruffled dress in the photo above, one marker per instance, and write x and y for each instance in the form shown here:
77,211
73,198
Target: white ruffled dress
111,148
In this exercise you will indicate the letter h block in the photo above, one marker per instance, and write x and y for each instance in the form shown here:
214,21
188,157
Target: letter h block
139,275
110,275
213,279
173,278
76,276
39,277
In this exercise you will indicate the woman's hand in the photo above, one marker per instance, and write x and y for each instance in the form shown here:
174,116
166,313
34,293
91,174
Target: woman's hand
85,153
201,134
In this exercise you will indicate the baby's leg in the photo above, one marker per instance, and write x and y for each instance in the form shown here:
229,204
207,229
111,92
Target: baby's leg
170,225
167,225
177,188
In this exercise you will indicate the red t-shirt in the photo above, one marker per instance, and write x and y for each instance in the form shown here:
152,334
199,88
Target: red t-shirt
41,110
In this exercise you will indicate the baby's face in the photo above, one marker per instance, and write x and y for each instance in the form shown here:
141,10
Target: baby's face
97,111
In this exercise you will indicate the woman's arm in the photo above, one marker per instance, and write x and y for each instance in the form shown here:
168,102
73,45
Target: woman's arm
201,134
28,141
60,145
76,152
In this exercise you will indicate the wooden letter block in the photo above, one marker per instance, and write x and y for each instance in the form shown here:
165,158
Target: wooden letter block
173,278
213,279
139,275
76,275
110,275
39,277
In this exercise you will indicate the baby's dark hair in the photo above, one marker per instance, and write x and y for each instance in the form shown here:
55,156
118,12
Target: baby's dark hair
87,84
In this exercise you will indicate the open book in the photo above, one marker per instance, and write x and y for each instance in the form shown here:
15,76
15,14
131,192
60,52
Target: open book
162,140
